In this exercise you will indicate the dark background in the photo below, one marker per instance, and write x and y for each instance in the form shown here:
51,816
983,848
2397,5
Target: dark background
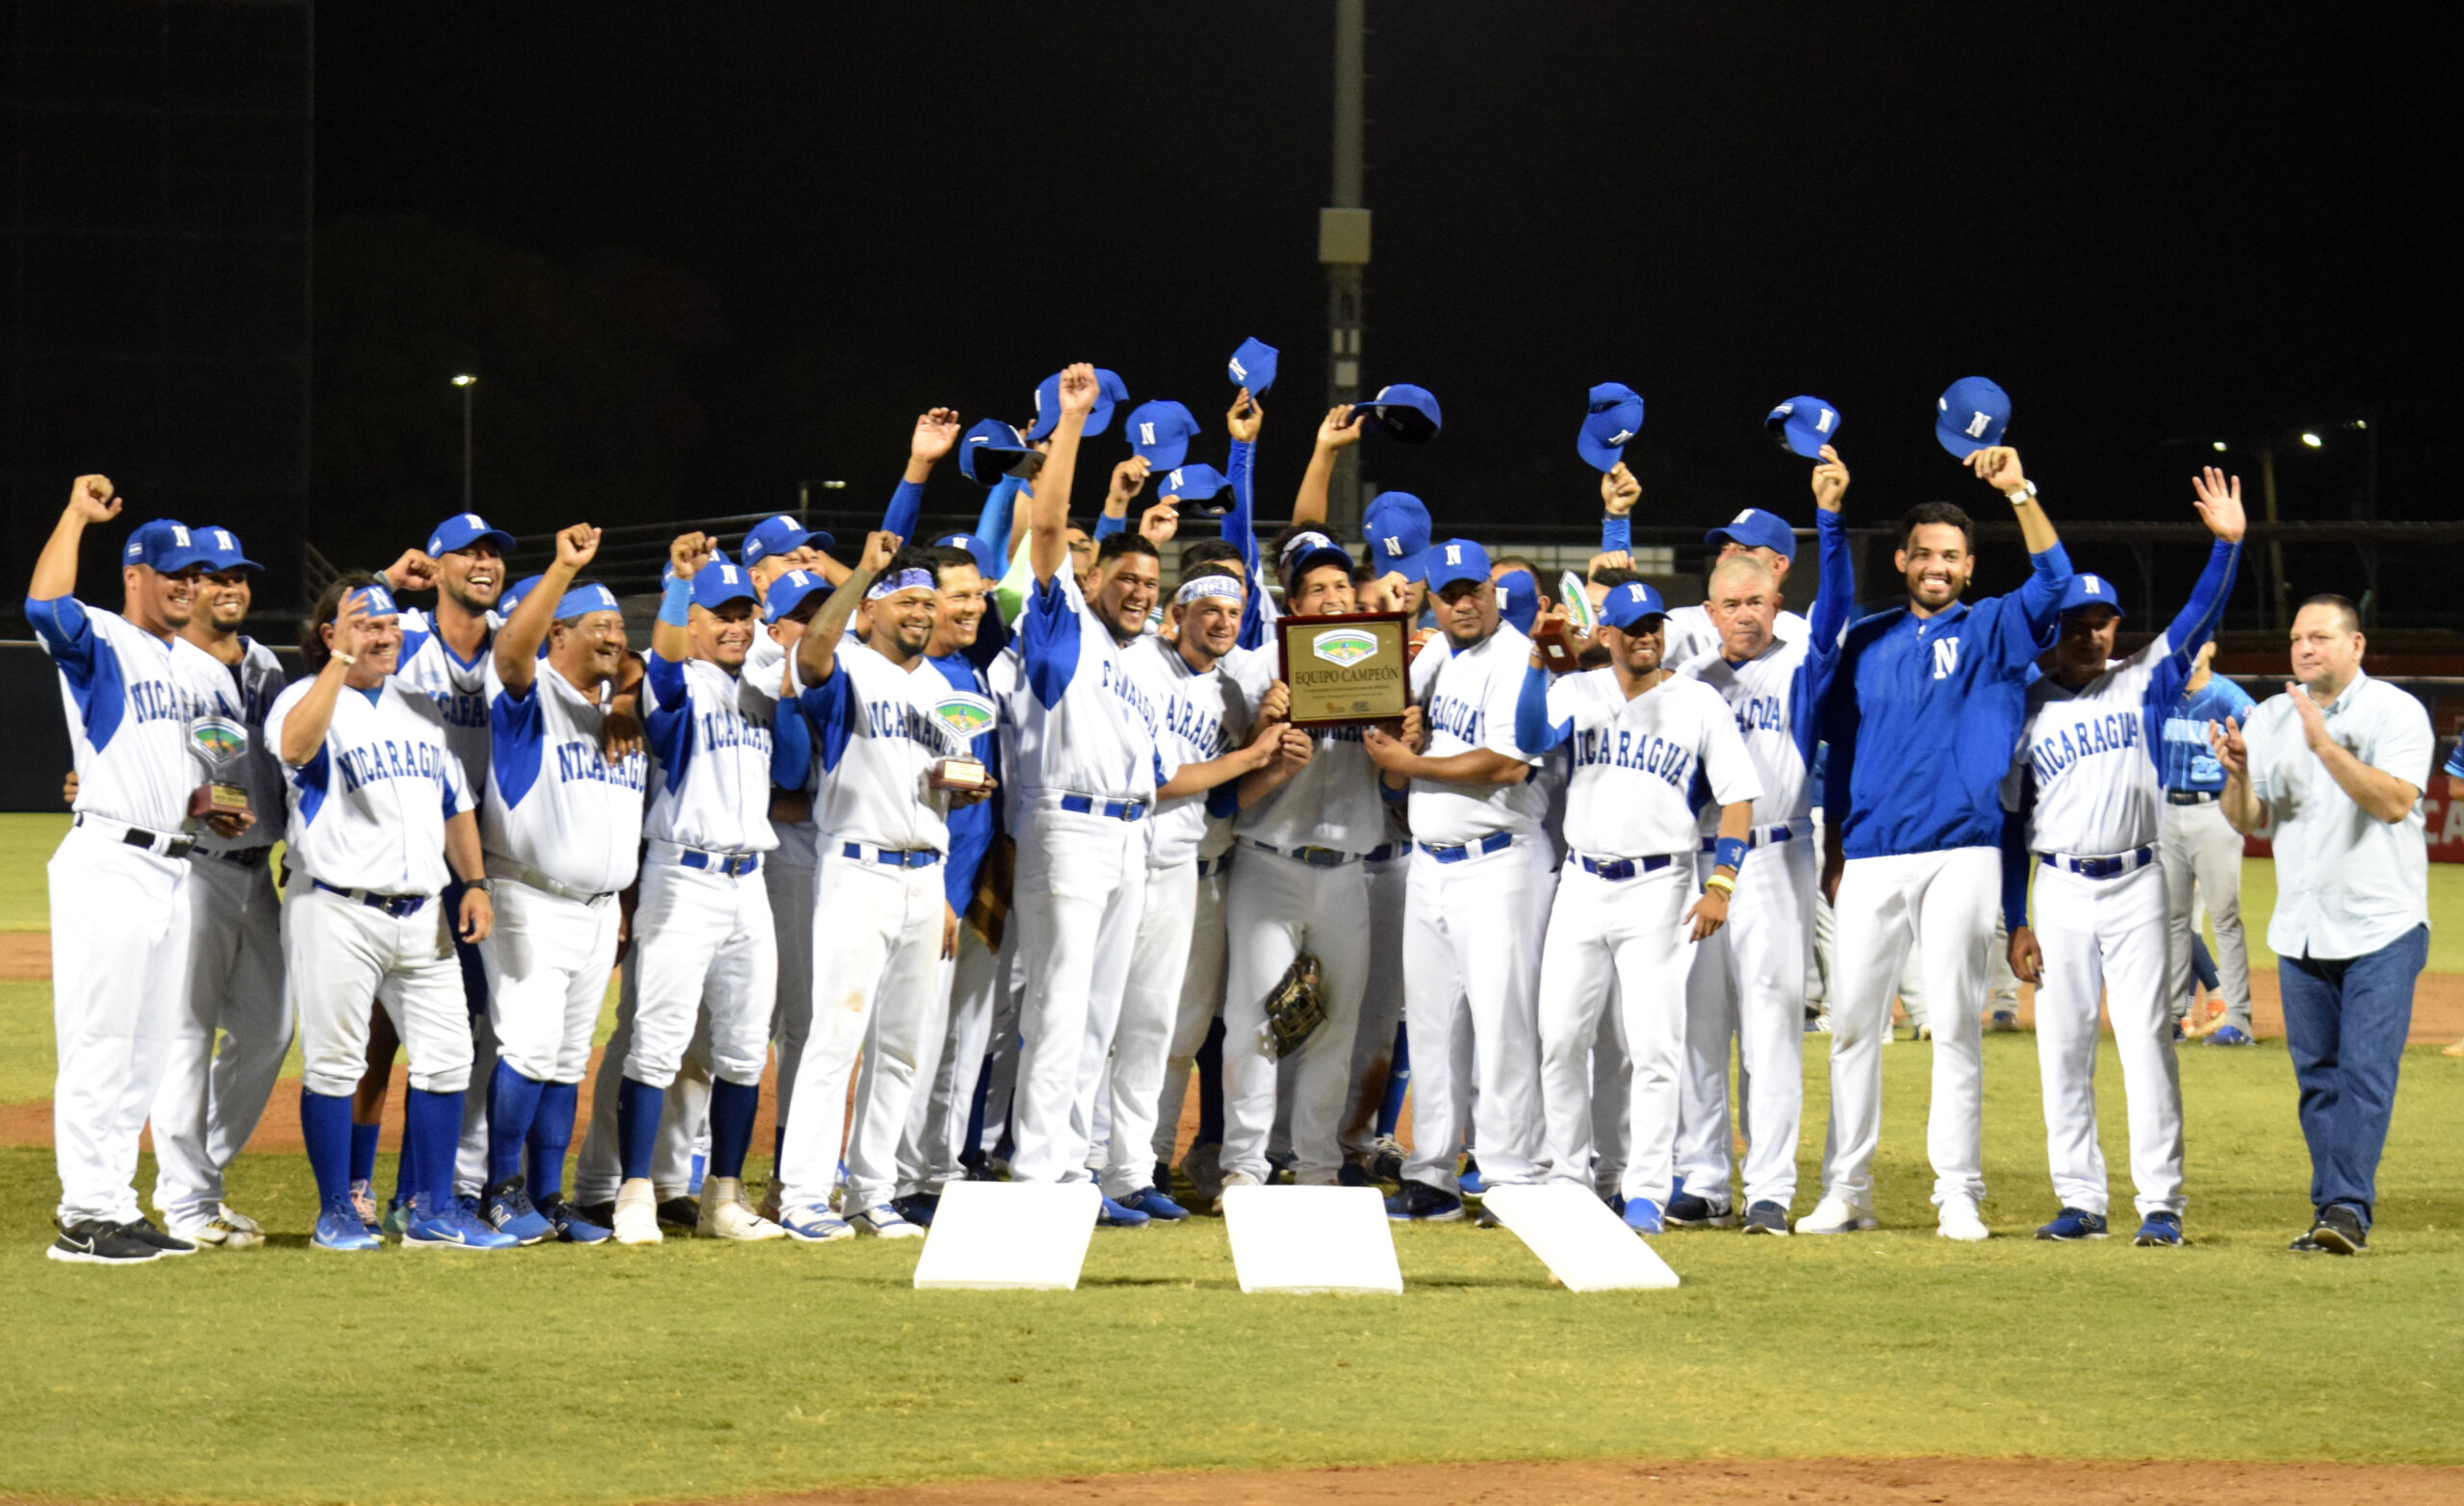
700,257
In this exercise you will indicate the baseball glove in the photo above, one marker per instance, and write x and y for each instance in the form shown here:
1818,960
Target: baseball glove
1296,1007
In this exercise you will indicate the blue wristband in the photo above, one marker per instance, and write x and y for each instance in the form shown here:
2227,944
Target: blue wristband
1393,794
673,604
1728,852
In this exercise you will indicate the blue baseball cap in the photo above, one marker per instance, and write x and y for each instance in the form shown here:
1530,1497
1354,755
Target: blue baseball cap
1253,367
1518,599
163,545
1630,603
789,590
987,559
512,600
583,600
1757,529
1406,412
221,549
1970,415
1108,389
1615,417
1456,560
1306,551
1398,526
1159,433
2086,590
374,600
464,529
1195,482
1001,445
1804,425
718,582
779,535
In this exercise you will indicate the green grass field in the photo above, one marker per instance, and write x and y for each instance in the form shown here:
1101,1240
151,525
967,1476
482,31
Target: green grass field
689,1371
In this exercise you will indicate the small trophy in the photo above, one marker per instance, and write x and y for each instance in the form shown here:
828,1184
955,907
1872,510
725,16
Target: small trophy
1557,649
219,744
964,715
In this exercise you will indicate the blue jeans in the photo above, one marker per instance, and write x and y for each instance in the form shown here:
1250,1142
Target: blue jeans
2345,1022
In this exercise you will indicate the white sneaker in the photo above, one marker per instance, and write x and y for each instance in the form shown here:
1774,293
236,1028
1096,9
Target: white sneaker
1960,1221
885,1222
726,1213
637,1213
1835,1214
1231,1179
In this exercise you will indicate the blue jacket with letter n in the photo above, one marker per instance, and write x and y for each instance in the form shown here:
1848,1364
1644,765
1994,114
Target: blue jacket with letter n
1923,713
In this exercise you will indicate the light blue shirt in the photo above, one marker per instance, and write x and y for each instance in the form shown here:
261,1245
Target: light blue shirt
2347,883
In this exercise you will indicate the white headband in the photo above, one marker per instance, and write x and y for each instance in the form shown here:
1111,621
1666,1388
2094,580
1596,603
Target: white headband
1206,585
908,579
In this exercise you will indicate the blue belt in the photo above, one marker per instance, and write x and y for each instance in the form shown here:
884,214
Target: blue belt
1624,867
396,906
731,865
1111,809
1765,837
1463,850
1314,856
1387,853
2103,867
1209,867
919,857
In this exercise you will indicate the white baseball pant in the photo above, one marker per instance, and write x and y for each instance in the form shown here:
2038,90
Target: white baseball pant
1942,905
1381,1004
599,1170
2104,942
1472,965
1082,880
902,1053
790,886
876,941
119,976
1625,937
704,942
1202,1000
1612,1087
337,954
931,1152
470,1152
211,1099
548,960
1275,908
1749,984
1150,1021
2202,860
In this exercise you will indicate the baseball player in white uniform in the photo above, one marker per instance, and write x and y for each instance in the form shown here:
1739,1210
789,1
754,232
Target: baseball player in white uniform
211,1099
881,924
1749,980
2086,798
1642,737
1470,948
1764,535
380,817
118,882
562,823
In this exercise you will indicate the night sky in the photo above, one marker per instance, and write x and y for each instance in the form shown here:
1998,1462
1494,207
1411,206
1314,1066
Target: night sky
2221,224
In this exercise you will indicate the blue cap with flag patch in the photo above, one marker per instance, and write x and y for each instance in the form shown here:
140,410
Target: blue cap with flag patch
1755,530
1397,527
163,545
718,582
583,600
790,592
1970,415
1804,425
1518,599
1109,391
1615,417
464,529
1252,366
1455,561
507,603
221,549
1406,412
1630,603
1159,433
2086,590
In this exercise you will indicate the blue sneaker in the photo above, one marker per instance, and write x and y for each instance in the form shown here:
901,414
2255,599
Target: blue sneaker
1642,1215
511,1210
2229,1036
1155,1204
338,1227
1685,1210
814,1225
452,1227
571,1227
2158,1229
701,1168
2073,1223
1471,1182
918,1208
1419,1202
1121,1215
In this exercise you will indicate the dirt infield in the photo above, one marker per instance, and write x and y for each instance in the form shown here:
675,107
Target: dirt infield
1845,1482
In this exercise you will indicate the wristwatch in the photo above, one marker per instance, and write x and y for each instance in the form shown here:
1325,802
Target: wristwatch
2022,494
485,885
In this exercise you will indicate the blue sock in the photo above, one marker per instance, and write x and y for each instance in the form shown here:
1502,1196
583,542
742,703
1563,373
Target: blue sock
363,1151
1398,1078
432,1124
513,1102
637,1111
732,1106
551,1131
324,1124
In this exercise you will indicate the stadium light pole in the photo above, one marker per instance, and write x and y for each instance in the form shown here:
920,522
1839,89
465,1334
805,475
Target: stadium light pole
467,382
1343,247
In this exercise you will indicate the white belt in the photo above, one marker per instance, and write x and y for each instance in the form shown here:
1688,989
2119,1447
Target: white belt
533,878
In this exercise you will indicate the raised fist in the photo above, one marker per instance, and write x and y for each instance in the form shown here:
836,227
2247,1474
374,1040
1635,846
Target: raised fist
415,571
879,546
1129,478
688,552
92,498
578,546
1078,389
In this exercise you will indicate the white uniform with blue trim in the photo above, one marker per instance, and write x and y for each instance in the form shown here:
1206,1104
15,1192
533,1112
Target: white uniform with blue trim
459,689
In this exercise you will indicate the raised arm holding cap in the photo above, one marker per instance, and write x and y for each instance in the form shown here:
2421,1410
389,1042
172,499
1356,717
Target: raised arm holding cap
1338,430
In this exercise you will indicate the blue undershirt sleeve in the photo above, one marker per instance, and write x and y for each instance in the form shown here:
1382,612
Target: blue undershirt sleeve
2196,621
906,509
66,635
1048,641
790,747
1106,526
1616,534
994,525
1532,733
669,725
2039,603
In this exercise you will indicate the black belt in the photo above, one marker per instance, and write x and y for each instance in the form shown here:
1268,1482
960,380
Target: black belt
2112,867
1314,856
246,858
172,846
396,906
2192,797
1457,852
1623,867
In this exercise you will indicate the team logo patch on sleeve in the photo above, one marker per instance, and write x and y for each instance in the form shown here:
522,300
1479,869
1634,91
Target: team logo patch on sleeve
964,714
1344,646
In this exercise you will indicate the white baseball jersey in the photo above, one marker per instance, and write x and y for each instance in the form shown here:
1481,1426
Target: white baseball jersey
368,811
765,670
459,689
1332,801
244,692
1689,633
2092,754
1469,697
130,698
709,740
554,801
1196,721
1637,762
1767,697
874,739
1085,726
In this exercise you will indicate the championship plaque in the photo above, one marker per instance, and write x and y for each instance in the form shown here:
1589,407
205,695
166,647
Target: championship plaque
219,744
1348,670
963,715
1561,649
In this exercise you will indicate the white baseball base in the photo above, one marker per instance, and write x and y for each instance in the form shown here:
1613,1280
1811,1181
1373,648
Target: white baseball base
1583,1244
1009,1237
1311,1239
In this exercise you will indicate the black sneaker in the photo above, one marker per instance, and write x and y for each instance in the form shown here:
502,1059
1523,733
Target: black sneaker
94,1242
604,1214
2339,1231
1685,1210
680,1213
1420,1203
1766,1218
2306,1244
144,1232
